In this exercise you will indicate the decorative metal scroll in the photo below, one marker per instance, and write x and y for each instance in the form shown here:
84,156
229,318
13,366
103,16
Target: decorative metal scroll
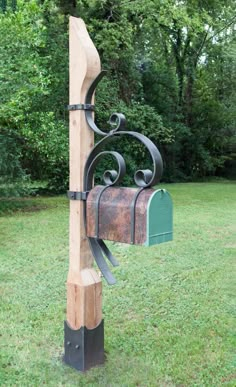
143,178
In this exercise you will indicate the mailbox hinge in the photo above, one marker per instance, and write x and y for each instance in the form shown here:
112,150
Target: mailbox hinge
76,195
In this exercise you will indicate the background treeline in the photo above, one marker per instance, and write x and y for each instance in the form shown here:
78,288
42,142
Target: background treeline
171,70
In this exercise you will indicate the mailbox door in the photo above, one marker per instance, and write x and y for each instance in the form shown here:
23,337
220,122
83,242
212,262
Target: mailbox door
159,218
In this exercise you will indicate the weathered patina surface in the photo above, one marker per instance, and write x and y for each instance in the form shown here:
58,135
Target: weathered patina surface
115,214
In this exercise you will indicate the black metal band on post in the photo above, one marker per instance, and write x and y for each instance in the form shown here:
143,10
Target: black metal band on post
81,106
76,195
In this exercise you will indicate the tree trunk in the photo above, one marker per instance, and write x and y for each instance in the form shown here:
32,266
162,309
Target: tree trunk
189,99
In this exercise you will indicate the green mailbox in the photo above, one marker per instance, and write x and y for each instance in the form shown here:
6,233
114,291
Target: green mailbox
159,218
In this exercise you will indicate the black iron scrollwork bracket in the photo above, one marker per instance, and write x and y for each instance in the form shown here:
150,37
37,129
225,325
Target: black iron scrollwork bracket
142,178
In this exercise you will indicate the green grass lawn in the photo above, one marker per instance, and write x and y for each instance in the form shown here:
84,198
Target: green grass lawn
169,321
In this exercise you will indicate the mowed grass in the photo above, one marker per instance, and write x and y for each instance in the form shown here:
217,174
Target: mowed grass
169,321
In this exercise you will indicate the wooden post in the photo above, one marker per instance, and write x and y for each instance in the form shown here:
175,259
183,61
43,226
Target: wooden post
84,287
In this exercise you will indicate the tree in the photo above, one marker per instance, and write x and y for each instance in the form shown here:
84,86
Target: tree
171,70
176,39
32,109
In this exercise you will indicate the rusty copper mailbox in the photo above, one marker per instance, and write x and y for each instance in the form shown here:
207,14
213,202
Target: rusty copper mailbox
129,215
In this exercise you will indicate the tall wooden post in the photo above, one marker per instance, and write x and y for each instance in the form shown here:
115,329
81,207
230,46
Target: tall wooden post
84,336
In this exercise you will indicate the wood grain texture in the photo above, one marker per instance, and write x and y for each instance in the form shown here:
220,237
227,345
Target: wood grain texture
84,288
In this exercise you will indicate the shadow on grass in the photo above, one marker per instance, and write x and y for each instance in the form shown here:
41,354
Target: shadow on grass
9,206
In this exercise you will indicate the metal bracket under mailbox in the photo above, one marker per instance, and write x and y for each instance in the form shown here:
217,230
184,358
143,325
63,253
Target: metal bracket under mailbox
76,195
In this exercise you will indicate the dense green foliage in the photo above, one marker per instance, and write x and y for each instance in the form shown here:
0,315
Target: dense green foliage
171,71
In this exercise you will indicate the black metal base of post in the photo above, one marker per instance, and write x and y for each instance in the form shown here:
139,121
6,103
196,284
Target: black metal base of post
84,348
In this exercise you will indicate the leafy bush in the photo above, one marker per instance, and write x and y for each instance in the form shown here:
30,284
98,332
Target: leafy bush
13,178
45,153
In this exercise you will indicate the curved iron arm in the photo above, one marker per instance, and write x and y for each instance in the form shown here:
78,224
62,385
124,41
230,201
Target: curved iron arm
89,113
143,178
